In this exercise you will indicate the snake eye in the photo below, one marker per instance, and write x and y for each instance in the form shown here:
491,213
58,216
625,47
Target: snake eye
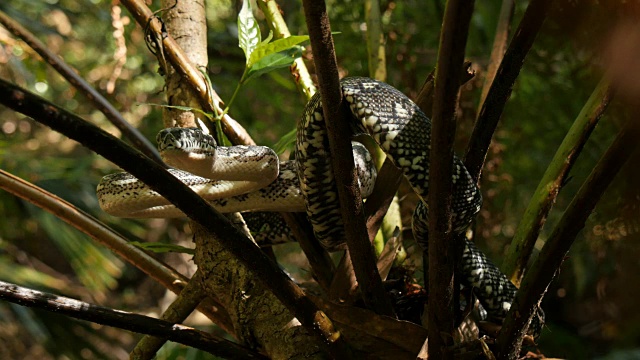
197,141
166,139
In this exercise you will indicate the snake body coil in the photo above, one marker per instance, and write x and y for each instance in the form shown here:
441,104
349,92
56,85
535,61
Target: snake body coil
399,127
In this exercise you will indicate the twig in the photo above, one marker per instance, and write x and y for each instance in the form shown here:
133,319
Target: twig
209,100
276,23
321,264
499,45
384,190
375,41
89,225
442,248
554,177
183,198
177,312
319,259
130,132
502,85
125,320
362,255
425,96
548,262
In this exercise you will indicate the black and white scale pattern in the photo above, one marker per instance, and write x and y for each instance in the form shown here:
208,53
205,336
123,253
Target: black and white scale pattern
232,179
400,128
403,131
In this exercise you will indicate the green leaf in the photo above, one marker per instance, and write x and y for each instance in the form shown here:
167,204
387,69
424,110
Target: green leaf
248,30
163,248
285,142
265,49
273,61
95,267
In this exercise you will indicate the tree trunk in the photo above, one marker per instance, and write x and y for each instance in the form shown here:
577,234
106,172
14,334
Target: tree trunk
259,319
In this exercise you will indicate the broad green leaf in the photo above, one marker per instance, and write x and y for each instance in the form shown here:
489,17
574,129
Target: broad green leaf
280,45
163,248
273,61
248,30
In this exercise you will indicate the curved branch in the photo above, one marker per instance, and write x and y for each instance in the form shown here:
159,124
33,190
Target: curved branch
183,198
104,235
113,115
209,100
125,320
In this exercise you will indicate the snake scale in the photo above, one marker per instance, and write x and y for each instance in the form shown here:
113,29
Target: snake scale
250,178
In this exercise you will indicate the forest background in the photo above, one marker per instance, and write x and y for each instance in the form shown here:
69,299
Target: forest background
591,307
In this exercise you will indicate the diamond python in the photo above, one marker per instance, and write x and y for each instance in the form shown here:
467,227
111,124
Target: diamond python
250,178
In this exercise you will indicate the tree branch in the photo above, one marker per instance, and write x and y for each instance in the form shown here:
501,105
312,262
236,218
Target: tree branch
209,100
360,249
500,42
319,259
89,225
125,320
442,248
502,85
547,264
137,139
183,198
554,177
177,312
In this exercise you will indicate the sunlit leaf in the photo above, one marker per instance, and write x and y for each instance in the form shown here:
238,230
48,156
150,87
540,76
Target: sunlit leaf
272,62
163,248
248,30
281,45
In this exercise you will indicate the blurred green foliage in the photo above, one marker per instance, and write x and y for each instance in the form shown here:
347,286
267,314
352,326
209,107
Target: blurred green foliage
590,307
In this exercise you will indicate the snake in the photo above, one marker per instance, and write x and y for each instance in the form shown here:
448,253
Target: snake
251,178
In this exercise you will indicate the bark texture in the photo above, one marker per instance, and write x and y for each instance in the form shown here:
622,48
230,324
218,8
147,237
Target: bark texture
187,24
260,320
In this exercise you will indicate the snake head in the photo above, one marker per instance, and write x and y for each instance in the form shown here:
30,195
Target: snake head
189,140
182,147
